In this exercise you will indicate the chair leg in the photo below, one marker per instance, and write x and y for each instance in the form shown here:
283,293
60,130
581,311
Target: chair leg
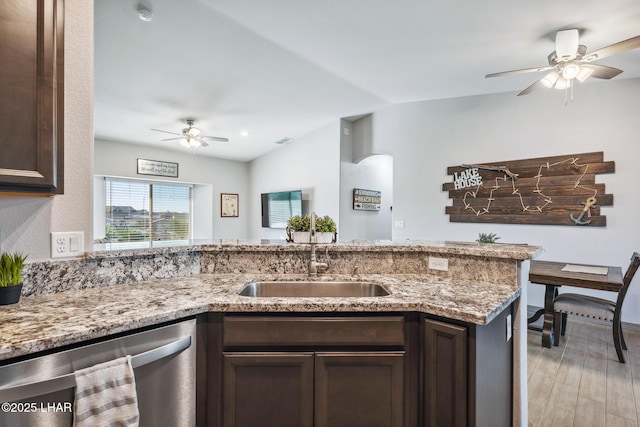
564,323
556,328
617,337
622,341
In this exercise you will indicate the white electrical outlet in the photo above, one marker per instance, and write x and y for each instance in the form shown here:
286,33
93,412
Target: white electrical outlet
509,329
441,264
399,224
67,244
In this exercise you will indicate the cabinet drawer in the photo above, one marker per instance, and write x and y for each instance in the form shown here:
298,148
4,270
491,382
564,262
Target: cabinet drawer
242,331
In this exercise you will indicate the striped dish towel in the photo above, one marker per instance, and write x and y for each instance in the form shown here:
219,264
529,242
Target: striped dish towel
106,395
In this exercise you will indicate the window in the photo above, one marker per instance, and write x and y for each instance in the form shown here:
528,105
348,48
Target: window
277,208
138,211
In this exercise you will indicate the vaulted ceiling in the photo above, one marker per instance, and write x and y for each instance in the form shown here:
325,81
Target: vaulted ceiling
278,68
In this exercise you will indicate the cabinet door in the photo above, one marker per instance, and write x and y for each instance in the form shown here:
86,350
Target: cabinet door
268,389
32,100
359,389
445,374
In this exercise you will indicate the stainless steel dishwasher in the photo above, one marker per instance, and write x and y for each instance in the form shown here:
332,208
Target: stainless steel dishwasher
39,391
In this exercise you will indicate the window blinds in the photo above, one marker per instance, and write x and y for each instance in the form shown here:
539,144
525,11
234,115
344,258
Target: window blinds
138,211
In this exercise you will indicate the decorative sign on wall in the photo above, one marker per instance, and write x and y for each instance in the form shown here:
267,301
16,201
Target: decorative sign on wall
366,200
157,168
558,190
467,178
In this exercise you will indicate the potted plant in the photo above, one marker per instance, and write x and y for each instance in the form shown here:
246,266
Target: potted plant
487,238
298,229
326,230
11,277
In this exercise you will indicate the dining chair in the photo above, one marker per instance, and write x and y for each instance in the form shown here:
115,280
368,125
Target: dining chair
596,308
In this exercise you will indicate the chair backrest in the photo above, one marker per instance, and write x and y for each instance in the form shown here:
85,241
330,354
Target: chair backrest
628,277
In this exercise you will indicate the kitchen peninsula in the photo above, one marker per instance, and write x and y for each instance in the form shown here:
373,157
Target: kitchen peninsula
430,315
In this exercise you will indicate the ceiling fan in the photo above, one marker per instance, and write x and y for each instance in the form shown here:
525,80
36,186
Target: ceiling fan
190,136
570,61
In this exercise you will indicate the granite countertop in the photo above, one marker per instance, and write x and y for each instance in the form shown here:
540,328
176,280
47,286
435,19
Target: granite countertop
43,322
501,250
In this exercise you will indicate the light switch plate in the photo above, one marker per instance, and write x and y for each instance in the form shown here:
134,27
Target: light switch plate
67,244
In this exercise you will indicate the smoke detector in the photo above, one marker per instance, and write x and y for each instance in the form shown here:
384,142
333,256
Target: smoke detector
144,13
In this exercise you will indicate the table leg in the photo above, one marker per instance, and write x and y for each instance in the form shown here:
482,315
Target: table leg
547,327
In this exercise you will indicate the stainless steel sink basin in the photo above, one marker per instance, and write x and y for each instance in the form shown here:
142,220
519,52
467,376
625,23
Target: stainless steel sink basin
313,289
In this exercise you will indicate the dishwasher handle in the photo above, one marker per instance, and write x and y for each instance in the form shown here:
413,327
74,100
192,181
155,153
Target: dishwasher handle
64,382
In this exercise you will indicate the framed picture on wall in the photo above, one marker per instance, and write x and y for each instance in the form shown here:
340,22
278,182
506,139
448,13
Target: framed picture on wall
228,205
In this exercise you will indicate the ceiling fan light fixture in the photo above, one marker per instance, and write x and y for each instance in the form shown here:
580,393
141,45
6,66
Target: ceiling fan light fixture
190,142
562,83
584,74
571,71
550,79
193,131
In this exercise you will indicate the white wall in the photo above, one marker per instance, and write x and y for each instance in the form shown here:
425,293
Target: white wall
310,164
372,173
427,137
25,222
215,176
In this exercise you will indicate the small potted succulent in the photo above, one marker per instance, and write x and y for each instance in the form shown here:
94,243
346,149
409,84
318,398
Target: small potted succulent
11,277
487,238
326,230
298,229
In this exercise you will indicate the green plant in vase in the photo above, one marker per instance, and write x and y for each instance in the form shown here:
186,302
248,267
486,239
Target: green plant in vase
298,223
487,238
11,277
325,224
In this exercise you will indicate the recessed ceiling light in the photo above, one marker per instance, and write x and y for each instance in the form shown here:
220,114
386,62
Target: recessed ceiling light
244,133
145,14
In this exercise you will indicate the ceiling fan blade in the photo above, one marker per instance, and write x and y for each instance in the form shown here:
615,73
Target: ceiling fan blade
203,144
613,49
166,131
531,88
171,139
216,138
522,71
602,71
567,42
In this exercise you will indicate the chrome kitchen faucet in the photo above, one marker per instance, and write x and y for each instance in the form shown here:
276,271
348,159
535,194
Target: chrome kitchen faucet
313,263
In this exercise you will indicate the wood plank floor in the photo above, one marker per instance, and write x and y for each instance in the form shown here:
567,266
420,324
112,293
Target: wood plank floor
580,383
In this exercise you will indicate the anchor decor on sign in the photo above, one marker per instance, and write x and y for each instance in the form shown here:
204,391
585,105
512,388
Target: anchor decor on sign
591,202
557,190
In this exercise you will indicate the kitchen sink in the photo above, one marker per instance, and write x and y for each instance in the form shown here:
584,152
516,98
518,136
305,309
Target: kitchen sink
311,288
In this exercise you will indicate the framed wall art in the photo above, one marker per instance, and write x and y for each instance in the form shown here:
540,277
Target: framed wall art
228,205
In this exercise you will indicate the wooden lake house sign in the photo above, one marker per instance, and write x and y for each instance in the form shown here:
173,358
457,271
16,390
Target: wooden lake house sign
557,190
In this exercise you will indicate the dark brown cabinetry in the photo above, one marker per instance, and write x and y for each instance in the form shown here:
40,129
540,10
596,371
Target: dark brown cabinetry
357,370
268,389
468,373
31,97
445,374
359,389
314,371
